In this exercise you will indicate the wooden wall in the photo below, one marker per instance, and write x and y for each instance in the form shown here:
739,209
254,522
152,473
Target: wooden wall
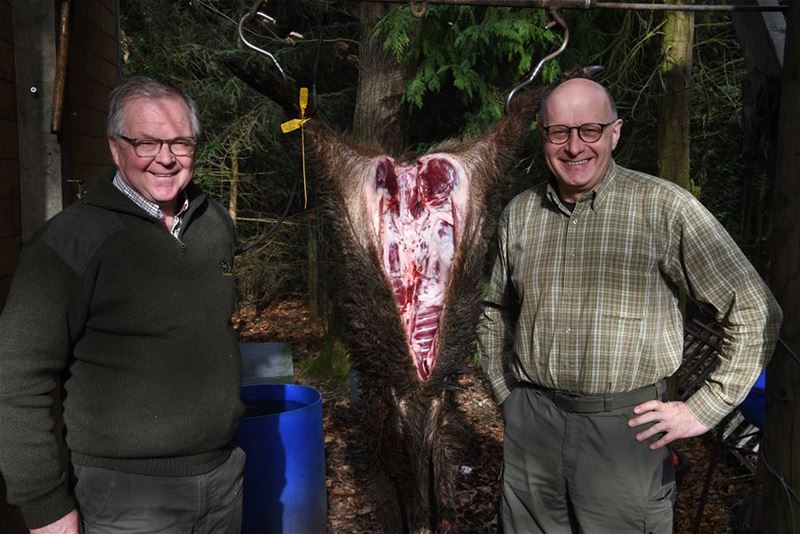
9,159
93,73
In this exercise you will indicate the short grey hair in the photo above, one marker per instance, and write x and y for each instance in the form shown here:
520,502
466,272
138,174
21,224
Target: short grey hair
612,104
145,87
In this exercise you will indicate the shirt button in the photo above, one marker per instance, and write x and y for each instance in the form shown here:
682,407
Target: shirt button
574,221
568,330
573,254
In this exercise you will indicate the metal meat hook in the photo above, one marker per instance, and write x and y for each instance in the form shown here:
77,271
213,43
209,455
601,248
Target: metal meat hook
254,12
557,20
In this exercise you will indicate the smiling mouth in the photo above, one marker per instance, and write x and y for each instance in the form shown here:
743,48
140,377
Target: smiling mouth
574,163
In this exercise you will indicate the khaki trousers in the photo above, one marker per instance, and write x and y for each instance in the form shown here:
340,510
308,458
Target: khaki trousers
571,472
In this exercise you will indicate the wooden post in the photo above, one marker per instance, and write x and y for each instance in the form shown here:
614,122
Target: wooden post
675,113
782,426
39,150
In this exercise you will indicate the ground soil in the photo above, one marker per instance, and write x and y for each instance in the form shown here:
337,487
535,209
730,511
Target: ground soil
352,510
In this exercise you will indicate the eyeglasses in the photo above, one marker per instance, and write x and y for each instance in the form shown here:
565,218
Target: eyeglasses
558,134
148,147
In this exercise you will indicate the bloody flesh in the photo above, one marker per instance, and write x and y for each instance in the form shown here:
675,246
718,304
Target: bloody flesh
418,213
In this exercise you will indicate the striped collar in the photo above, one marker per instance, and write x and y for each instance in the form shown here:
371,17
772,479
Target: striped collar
151,208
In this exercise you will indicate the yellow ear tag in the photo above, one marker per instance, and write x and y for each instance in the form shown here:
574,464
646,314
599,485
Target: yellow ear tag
294,124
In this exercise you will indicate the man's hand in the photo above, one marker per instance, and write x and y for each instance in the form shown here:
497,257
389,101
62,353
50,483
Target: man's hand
66,525
672,418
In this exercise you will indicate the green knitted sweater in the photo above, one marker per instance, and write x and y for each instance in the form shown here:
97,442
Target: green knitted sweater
137,325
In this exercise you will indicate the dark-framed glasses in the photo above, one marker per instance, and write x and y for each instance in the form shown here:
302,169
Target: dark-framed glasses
558,134
148,147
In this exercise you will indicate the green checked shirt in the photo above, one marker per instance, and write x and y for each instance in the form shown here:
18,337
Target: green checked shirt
587,301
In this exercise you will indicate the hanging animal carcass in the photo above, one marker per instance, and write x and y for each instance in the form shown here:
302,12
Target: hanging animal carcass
413,236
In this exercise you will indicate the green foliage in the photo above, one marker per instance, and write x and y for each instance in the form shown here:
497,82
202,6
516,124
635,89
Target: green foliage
477,54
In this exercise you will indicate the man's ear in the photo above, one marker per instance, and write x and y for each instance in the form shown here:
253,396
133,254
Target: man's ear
113,147
616,131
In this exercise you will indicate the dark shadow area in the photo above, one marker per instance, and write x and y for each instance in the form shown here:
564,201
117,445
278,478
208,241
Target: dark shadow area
11,521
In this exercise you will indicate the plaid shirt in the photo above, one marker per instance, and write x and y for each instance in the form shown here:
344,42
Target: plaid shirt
151,208
587,301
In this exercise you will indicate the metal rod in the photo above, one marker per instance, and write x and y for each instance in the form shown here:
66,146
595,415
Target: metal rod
61,69
590,4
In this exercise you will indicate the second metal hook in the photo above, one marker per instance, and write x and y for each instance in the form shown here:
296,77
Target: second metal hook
556,20
252,14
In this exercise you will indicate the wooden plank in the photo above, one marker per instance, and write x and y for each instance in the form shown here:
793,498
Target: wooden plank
9,253
93,38
8,101
782,425
39,150
9,217
92,94
6,30
7,62
86,120
8,139
90,149
101,14
87,62
9,179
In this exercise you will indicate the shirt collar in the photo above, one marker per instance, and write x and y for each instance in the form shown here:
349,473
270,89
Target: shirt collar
596,196
151,208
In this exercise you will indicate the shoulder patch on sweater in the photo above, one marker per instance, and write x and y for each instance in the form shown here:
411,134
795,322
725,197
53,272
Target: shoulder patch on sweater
77,232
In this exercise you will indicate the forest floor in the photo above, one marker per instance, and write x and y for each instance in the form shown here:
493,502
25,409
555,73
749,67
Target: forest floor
352,510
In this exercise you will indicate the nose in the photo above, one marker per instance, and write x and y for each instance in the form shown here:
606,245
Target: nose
165,156
574,143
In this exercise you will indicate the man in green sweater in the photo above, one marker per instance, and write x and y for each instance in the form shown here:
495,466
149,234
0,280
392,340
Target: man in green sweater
125,297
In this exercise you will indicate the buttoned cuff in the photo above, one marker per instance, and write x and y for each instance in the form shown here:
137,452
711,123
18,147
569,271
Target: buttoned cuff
707,407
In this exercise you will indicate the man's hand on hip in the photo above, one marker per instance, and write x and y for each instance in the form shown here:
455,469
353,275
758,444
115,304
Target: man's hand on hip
672,418
66,525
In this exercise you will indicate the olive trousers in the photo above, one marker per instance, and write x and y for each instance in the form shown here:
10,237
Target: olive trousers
568,471
113,502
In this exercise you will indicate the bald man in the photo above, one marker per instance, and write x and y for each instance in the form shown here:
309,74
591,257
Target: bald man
582,324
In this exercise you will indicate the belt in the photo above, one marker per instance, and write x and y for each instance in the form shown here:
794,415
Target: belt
572,402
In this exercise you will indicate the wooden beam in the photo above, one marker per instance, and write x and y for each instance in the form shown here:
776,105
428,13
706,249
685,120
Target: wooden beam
781,447
39,150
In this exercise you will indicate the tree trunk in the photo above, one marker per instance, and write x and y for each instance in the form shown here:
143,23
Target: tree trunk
675,110
674,113
781,448
380,116
233,200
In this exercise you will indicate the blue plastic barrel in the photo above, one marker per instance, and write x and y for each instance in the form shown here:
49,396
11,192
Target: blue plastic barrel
752,407
284,477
